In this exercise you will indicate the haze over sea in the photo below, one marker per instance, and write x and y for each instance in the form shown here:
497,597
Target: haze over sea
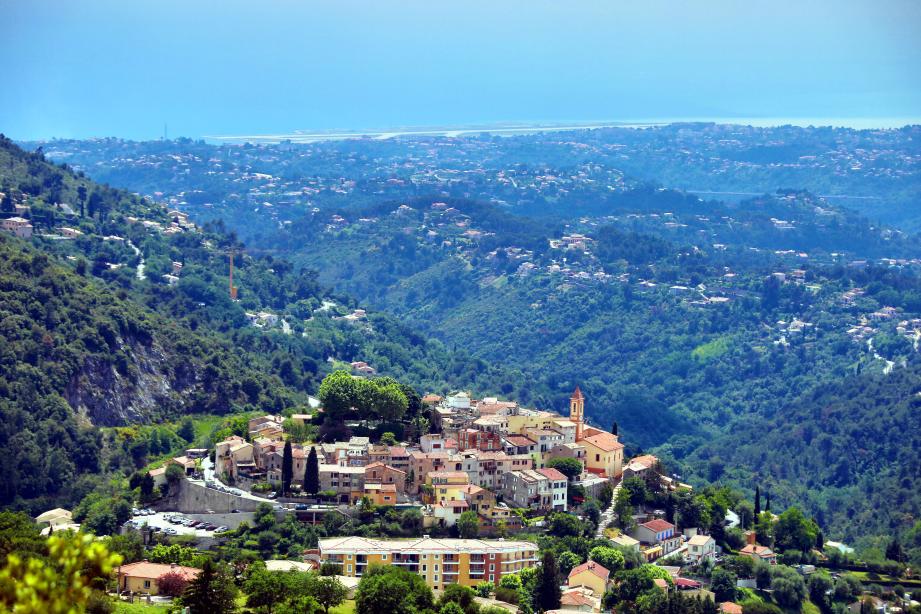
235,67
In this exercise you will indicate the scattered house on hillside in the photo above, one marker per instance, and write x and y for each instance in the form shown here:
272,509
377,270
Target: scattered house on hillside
700,547
579,599
142,577
19,227
761,553
658,538
730,607
591,575
626,541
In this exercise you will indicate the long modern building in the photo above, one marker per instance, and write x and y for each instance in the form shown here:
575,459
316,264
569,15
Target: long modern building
439,561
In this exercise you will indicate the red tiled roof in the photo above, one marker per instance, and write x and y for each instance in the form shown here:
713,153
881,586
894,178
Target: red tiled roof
592,567
728,607
519,440
551,473
658,525
606,441
145,569
577,394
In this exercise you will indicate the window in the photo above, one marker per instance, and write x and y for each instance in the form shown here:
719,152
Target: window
436,579
492,578
492,567
436,567
350,557
437,556
383,557
492,555
425,568
350,569
597,457
146,583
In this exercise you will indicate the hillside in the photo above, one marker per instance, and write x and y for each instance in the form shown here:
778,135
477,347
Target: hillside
128,321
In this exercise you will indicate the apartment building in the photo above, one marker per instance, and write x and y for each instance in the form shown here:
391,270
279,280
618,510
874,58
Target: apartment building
439,561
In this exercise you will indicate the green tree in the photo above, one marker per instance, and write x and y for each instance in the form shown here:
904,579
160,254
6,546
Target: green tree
312,472
391,589
187,430
570,467
60,584
211,591
338,395
609,558
484,589
623,511
287,469
463,596
468,525
389,439
547,593
819,586
793,531
329,593
723,584
788,586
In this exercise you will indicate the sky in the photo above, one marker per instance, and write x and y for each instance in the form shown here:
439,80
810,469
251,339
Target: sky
121,68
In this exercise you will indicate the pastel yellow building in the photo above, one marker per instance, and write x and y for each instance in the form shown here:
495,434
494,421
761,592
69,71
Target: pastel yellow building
604,454
141,577
446,485
439,561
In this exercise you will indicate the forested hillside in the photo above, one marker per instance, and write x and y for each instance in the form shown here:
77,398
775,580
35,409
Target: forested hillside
129,321
849,451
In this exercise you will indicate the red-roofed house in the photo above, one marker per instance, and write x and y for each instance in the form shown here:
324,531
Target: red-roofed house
141,577
591,575
729,607
558,487
761,553
604,454
658,537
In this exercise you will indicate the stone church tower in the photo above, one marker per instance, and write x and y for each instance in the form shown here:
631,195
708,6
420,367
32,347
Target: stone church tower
577,411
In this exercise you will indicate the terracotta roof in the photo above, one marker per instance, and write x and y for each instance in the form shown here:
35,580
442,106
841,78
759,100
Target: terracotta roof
551,473
699,540
591,567
756,550
658,525
145,569
605,441
577,394
519,440
576,598
728,607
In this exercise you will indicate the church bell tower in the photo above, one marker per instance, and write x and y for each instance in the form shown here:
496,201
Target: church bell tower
577,411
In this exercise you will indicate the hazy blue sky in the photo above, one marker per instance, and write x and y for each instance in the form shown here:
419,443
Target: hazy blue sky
124,67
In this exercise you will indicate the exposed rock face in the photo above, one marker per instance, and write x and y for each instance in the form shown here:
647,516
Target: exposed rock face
144,389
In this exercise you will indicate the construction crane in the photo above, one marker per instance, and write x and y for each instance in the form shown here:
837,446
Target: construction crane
233,288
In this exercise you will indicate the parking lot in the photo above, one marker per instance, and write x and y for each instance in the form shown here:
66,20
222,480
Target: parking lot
159,520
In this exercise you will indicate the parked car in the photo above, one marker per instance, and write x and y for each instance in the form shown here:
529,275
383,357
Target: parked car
272,495
302,506
221,529
135,511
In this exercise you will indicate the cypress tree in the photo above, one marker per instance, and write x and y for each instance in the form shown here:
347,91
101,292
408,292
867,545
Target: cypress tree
767,508
312,473
614,428
286,468
757,501
548,593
